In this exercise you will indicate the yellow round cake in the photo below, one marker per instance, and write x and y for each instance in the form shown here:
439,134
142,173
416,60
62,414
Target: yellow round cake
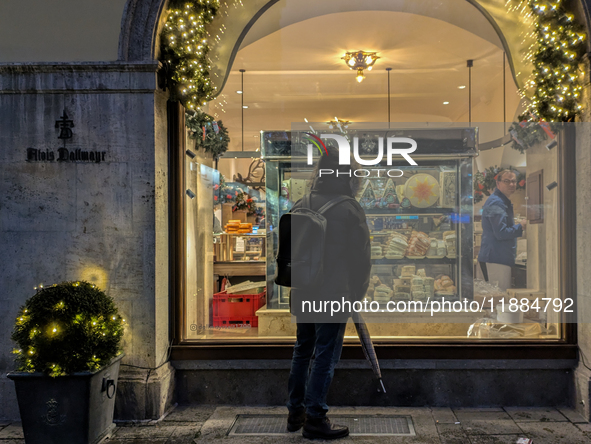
422,190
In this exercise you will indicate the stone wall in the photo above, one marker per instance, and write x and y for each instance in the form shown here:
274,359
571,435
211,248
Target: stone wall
105,222
583,193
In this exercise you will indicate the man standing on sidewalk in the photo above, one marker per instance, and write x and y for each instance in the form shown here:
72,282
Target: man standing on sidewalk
500,232
346,272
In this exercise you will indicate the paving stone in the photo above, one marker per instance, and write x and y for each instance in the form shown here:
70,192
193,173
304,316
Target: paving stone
452,434
496,439
491,427
144,432
12,431
13,441
4,423
131,441
443,415
190,413
542,414
184,435
586,427
572,415
554,433
483,415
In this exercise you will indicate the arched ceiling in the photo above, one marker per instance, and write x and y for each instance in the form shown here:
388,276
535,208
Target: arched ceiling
241,23
296,72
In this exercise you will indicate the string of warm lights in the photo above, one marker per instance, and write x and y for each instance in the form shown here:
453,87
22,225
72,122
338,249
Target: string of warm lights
185,48
554,91
66,328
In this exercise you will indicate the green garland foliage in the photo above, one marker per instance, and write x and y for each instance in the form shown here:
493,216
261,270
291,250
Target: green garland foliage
559,51
184,51
209,134
485,182
560,46
66,328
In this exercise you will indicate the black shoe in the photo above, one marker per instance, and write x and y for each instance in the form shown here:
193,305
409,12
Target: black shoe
295,420
321,428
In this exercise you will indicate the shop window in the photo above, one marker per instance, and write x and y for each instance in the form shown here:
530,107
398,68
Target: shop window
231,242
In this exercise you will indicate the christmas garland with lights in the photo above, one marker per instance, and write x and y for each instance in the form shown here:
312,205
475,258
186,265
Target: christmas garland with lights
485,182
184,51
560,46
66,328
556,86
209,134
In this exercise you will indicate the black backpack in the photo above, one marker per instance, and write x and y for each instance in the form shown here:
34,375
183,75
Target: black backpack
300,252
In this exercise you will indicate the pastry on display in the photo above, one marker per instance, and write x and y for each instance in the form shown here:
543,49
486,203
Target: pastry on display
245,228
444,284
419,296
397,246
382,293
429,284
389,198
232,226
441,248
422,190
368,197
376,251
418,245
402,288
450,242
408,270
399,296
432,251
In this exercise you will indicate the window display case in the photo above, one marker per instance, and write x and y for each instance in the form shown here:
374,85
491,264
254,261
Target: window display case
420,217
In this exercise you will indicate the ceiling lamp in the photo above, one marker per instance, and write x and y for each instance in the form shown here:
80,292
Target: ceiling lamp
338,123
360,60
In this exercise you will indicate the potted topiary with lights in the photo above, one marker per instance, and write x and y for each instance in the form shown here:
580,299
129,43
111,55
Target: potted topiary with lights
68,354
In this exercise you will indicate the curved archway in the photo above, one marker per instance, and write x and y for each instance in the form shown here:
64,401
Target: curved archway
140,27
143,19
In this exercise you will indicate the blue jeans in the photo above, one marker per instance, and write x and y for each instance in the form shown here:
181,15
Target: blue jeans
309,391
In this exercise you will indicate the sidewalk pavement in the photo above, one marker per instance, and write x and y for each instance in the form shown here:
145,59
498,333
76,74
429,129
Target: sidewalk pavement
195,424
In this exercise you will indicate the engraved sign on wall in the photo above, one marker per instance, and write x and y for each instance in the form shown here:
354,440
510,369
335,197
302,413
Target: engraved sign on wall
64,126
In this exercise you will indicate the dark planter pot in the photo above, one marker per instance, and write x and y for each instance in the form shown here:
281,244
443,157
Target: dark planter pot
73,409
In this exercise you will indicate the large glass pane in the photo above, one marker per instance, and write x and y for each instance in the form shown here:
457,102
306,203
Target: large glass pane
289,75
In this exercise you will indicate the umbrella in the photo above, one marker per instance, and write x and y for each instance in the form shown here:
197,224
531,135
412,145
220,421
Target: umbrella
367,346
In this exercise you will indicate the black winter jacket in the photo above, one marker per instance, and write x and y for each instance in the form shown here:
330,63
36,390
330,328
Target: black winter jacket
347,261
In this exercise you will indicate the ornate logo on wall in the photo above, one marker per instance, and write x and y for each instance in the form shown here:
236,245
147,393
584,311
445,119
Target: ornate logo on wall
65,125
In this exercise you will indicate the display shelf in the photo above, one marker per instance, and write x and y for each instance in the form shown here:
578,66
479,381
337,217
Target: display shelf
250,268
425,260
435,211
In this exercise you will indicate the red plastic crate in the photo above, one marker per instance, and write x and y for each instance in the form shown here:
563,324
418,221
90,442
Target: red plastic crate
237,305
230,322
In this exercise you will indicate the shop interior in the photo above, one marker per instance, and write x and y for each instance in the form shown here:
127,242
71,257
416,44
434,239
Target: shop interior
430,71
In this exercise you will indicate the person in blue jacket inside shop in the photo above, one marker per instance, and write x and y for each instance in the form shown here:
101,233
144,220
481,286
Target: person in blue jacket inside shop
500,232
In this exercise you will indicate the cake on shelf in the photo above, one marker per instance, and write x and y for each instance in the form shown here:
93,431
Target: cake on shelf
397,246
